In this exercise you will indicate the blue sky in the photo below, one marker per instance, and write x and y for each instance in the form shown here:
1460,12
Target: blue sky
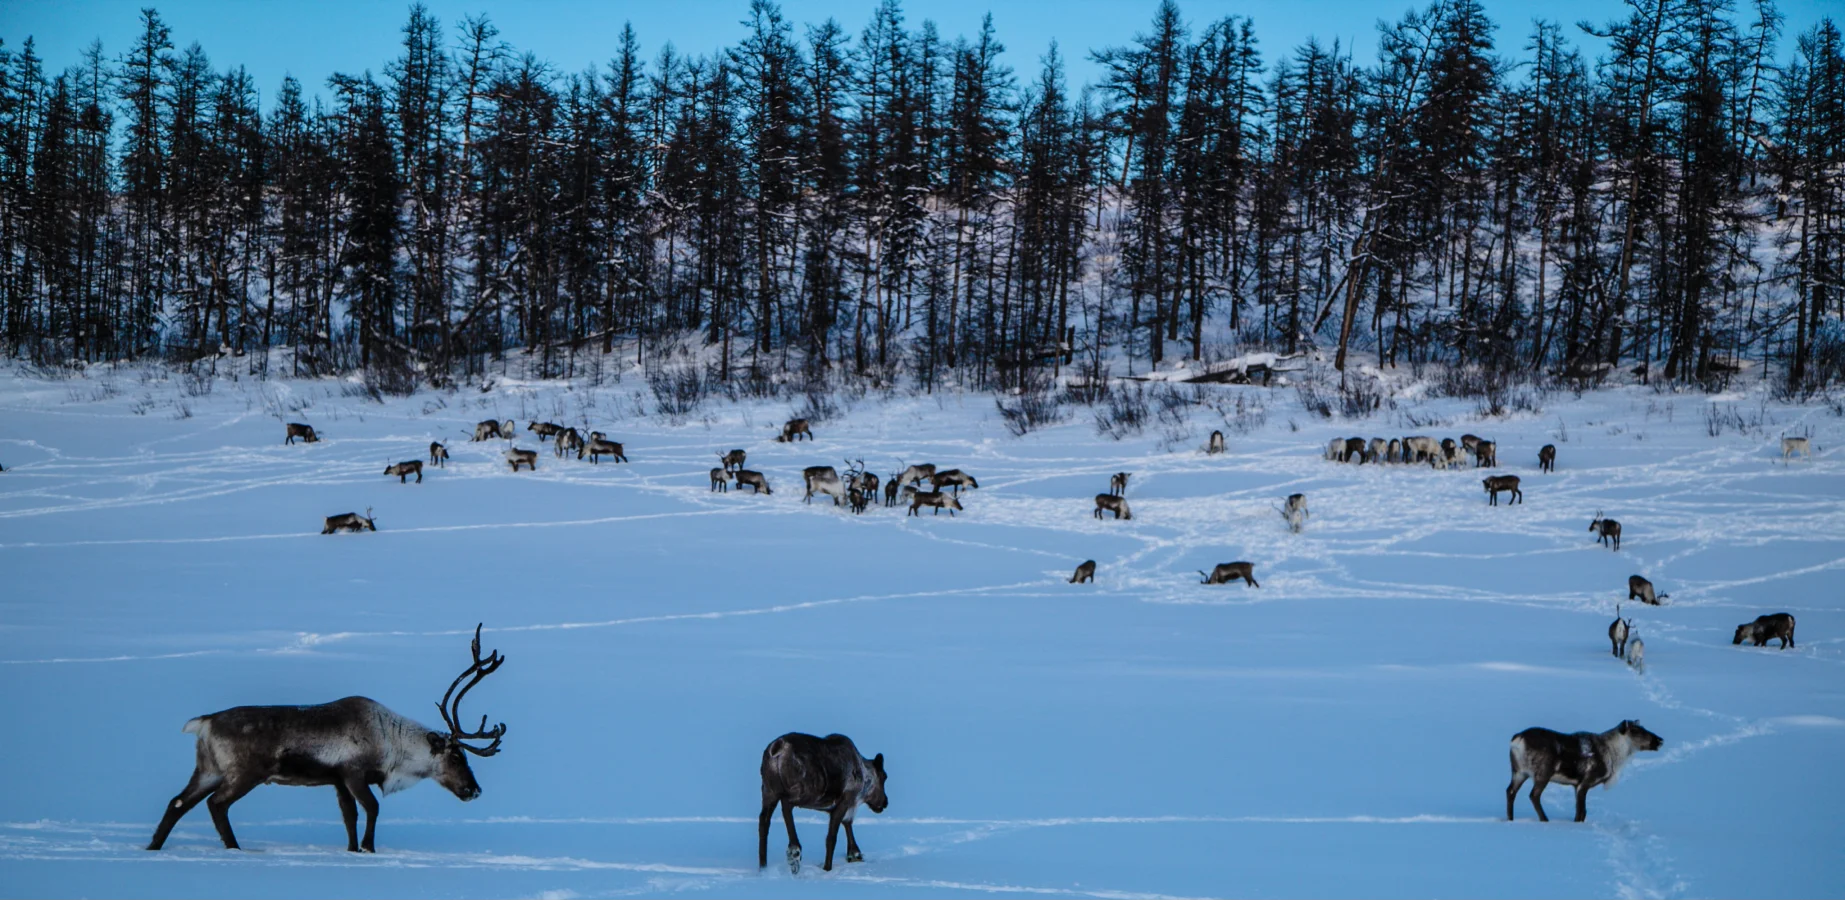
315,39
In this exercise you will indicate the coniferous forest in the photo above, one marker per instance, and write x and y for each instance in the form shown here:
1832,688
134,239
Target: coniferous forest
892,203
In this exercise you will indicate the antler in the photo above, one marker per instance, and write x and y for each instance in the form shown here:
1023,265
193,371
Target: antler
451,713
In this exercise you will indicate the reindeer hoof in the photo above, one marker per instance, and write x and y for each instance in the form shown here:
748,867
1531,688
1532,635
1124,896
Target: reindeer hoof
794,859
855,857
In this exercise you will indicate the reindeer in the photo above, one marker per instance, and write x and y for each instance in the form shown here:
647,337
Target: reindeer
1766,629
350,522
822,480
517,456
1374,452
1115,503
1450,453
952,478
1607,529
754,479
1085,572
1294,510
1485,453
912,475
571,440
1636,655
1230,572
486,428
597,448
1638,587
1582,759
868,484
1354,451
1790,447
1547,458
403,470
438,455
1421,447
1496,484
890,492
351,744
733,461
1335,450
1117,483
544,430
302,431
1393,452
935,499
509,430
800,770
1216,444
1618,632
720,480
793,429
857,500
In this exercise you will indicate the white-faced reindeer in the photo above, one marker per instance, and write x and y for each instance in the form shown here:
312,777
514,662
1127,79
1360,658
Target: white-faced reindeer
794,429
1376,451
1230,572
823,480
1393,452
1117,483
1581,759
438,455
952,478
351,744
1618,632
1496,484
519,456
1114,503
720,479
1216,444
936,499
1607,531
1547,458
1085,572
754,479
1766,629
302,431
1638,587
800,770
1294,510
487,428
597,448
733,461
350,522
1790,448
405,469
570,441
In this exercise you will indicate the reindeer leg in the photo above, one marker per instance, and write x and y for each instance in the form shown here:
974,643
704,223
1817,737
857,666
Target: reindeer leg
853,854
762,831
220,806
1537,793
1582,800
1511,792
832,837
182,803
794,841
363,793
349,814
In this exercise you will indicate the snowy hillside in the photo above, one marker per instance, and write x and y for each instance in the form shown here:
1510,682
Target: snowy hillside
1341,730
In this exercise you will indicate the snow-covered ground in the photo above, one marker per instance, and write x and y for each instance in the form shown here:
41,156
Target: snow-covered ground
1341,730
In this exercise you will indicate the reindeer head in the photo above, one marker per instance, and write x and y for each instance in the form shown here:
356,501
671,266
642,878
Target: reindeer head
453,772
874,796
1596,523
1636,733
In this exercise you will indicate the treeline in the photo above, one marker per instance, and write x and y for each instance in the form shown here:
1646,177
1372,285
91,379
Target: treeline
894,203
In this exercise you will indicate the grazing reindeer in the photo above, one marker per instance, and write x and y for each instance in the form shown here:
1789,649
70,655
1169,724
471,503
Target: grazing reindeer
438,455
952,478
1335,450
720,480
1496,484
857,500
1216,444
1582,759
1354,451
793,429
1085,572
1618,632
302,431
509,430
1471,442
517,456
597,448
1374,453
1638,587
1117,483
1766,629
822,480
1790,447
1115,503
403,470
351,744
1295,511
1607,529
935,499
571,440
1485,453
486,428
754,479
829,774
350,522
733,461
1636,655
1450,453
915,474
544,430
1230,572
1547,458
1421,447
1393,452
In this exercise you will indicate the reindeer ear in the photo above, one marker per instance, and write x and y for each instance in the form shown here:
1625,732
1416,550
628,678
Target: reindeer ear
878,763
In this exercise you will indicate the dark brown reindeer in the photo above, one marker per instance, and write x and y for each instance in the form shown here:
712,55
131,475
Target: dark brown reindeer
1638,587
890,492
1581,759
1547,458
912,475
754,479
952,478
1114,503
598,448
733,461
1767,628
1470,442
1216,444
1608,530
793,429
570,440
544,430
487,428
1230,572
857,500
351,744
1485,453
350,522
935,499
720,480
1354,451
302,431
438,455
1117,483
1618,632
800,770
868,484
404,470
1496,484
518,456
1085,572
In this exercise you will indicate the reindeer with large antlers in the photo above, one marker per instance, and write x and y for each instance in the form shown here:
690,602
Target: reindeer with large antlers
351,744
